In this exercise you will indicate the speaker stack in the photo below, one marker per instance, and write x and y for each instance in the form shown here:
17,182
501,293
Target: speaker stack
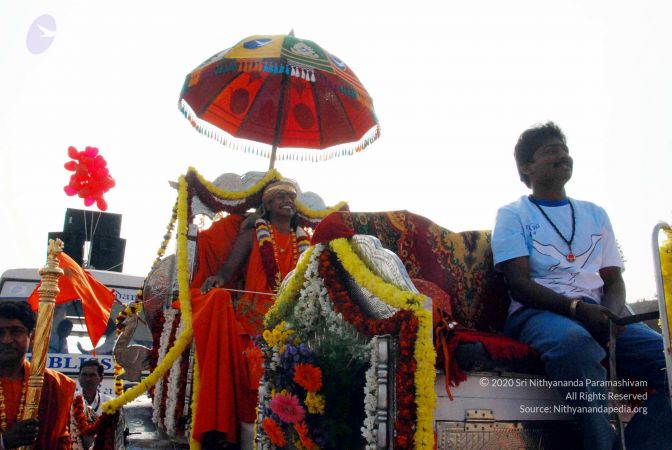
92,239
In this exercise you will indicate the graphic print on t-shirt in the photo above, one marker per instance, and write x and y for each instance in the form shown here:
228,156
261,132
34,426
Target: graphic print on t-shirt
552,251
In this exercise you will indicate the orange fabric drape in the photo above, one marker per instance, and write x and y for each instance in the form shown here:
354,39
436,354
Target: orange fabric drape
76,283
226,354
53,412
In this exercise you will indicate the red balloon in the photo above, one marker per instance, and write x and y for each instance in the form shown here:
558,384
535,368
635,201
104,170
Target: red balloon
91,152
91,178
101,204
99,162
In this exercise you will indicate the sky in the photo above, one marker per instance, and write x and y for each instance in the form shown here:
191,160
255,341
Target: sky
453,84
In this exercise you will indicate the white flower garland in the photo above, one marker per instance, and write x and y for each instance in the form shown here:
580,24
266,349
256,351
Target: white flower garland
75,436
173,390
315,303
371,398
164,345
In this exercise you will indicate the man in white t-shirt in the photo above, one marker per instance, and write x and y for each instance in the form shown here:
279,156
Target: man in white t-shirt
91,374
563,270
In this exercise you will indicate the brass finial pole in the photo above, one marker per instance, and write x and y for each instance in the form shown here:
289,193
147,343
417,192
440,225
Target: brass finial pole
48,292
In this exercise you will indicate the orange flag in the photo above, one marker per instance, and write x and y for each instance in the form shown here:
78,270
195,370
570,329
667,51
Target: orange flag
76,283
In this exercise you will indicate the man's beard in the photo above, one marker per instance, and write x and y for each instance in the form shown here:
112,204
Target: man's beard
10,356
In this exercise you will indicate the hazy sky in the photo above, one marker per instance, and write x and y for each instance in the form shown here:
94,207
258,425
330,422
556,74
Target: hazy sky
453,83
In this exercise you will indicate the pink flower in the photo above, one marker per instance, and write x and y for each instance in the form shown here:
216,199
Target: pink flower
287,408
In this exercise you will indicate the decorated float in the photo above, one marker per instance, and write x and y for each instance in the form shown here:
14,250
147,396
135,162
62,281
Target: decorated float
380,338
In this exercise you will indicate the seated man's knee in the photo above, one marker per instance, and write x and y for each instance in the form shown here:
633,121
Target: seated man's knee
576,344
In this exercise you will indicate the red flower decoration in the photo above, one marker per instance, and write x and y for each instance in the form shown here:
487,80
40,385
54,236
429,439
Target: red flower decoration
91,178
302,429
308,377
288,408
274,432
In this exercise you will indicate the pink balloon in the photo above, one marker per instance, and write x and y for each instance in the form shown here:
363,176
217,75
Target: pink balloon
72,152
88,201
69,190
91,152
70,165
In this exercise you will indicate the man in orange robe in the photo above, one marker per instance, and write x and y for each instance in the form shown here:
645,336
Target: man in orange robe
49,431
223,326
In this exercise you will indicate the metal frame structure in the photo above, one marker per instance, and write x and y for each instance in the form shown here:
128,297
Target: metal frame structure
662,305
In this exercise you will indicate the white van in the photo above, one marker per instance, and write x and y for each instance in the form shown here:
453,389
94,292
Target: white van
18,284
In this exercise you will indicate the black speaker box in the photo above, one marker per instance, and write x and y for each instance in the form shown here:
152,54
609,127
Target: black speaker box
73,244
107,253
92,223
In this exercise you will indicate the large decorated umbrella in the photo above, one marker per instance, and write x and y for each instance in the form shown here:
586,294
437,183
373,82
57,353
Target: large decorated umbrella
270,92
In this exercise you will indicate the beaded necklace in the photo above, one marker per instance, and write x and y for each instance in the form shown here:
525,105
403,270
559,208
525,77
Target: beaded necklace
570,256
3,413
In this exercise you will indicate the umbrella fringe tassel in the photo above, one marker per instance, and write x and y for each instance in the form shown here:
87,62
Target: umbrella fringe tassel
284,154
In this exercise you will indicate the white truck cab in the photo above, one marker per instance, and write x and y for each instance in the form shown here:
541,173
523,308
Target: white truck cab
18,284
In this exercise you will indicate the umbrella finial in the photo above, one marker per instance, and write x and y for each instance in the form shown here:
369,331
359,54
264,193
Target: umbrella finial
291,33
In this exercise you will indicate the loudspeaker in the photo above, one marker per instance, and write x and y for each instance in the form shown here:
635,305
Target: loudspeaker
73,244
107,253
92,223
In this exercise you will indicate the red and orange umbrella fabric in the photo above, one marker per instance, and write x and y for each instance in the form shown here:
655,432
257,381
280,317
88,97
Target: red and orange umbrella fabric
284,92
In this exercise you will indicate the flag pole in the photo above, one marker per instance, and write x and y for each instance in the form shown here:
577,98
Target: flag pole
48,292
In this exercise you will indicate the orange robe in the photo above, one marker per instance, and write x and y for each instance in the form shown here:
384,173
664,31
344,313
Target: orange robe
228,366
53,412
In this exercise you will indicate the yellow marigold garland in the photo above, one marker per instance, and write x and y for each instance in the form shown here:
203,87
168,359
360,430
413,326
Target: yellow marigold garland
184,340
666,269
193,443
290,293
271,175
424,353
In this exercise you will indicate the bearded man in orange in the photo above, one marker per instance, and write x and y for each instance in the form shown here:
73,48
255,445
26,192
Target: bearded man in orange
49,431
266,246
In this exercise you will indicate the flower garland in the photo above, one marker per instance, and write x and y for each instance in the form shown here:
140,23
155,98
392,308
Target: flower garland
209,193
371,398
158,406
404,324
294,383
185,338
83,422
172,393
288,296
423,352
268,249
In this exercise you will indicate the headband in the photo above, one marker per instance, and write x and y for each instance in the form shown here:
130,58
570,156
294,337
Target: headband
280,186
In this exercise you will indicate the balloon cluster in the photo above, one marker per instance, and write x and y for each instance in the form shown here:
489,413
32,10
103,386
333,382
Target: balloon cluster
91,178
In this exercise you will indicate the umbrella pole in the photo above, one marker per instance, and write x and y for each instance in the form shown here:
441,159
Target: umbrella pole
278,119
48,292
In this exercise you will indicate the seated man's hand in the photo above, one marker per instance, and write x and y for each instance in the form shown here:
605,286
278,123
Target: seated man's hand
23,432
596,319
212,282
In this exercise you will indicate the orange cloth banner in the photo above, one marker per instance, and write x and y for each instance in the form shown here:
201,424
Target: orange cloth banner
76,283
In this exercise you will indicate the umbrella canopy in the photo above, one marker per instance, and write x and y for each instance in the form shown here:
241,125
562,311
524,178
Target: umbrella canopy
283,92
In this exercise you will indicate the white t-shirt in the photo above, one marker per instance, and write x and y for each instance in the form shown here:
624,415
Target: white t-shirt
522,230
